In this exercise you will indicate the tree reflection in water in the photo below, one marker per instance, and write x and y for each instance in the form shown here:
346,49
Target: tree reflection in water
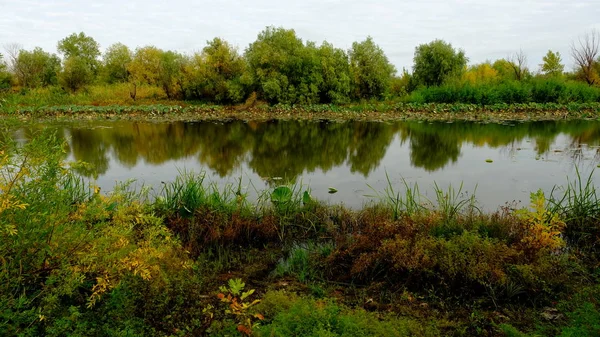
290,148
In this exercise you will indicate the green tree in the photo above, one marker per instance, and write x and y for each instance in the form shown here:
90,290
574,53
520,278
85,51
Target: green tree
170,75
480,74
83,47
371,72
504,70
335,71
75,74
552,65
144,68
154,66
436,62
402,85
115,61
36,68
217,74
283,69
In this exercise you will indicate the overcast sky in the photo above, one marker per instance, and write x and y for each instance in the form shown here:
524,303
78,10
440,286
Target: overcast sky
485,29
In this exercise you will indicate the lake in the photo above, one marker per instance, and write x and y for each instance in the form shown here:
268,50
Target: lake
499,162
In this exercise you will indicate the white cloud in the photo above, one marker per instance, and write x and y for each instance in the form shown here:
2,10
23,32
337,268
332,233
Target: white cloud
484,29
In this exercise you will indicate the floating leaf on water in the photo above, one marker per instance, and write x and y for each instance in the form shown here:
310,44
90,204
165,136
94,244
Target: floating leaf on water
489,161
281,194
332,190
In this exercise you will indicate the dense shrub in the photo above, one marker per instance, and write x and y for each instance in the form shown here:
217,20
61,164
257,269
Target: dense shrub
459,253
538,90
75,262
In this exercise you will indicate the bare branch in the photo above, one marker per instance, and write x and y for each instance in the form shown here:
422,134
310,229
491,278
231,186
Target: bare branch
518,62
12,51
584,52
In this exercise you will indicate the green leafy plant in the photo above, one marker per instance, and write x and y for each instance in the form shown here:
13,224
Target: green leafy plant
235,297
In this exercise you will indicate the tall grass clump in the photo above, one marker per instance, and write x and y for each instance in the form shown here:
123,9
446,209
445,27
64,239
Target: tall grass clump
453,202
409,203
579,205
189,192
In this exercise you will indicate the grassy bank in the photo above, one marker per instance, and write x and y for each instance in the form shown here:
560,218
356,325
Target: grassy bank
437,103
378,111
193,259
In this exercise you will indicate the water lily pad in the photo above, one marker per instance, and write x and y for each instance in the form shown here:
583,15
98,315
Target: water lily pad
281,194
332,190
489,161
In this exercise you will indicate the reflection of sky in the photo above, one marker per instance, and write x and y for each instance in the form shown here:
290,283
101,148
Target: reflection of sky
513,174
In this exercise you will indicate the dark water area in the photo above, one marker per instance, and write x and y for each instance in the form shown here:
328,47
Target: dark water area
353,157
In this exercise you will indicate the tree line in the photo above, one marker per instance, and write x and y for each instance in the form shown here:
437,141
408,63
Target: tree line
281,68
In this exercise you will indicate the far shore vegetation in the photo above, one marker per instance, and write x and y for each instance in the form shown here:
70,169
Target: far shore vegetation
280,69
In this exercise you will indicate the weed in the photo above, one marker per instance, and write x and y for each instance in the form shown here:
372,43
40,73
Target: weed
234,296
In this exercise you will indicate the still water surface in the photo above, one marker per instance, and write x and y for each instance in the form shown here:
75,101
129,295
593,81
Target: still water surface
352,157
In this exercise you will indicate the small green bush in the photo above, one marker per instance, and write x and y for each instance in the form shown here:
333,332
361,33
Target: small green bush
295,316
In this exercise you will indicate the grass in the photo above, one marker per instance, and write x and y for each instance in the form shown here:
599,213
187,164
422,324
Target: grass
189,193
94,95
296,316
302,261
452,202
410,204
579,206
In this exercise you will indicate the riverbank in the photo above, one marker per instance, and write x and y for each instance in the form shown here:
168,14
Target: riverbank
379,111
194,259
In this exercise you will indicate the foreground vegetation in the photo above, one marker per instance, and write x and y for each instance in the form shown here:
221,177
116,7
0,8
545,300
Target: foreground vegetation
194,259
